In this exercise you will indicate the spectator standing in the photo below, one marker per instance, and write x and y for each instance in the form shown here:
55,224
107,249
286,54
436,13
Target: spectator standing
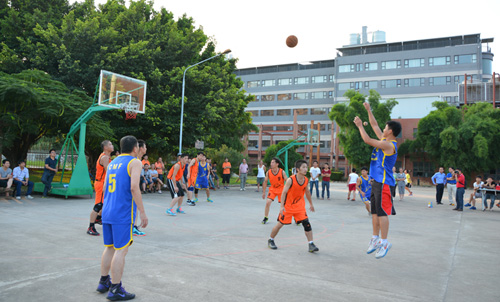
451,185
476,194
226,173
243,174
215,177
439,180
351,184
490,184
393,188
261,174
49,172
160,167
401,182
326,173
460,190
6,178
21,177
145,160
314,182
408,182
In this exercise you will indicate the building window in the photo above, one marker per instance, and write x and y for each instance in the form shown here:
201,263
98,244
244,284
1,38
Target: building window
318,95
331,78
415,131
370,85
284,128
436,81
319,79
267,97
423,169
344,86
282,112
458,79
268,83
301,96
414,82
391,64
302,80
346,68
410,63
465,59
256,98
437,61
267,113
252,143
252,84
302,111
254,112
284,82
268,128
357,85
330,94
302,127
390,83
358,66
284,97
266,143
371,66
319,111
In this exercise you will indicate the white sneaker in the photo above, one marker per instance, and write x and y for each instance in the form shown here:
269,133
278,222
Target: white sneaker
241,189
159,191
374,245
29,196
382,251
164,186
18,197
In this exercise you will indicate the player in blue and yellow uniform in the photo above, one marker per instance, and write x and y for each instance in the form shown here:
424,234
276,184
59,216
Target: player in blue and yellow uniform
383,159
202,178
364,187
122,198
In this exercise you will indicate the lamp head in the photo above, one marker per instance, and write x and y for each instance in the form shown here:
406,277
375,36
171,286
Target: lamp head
226,51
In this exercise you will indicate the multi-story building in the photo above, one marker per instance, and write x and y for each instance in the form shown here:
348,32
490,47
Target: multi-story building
415,73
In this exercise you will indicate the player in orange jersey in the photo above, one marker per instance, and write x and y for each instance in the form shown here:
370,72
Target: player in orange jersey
276,177
294,205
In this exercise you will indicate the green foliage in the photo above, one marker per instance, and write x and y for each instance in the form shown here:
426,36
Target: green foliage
337,176
272,150
356,151
466,137
219,155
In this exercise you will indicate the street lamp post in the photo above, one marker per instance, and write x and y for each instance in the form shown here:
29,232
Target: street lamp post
183,87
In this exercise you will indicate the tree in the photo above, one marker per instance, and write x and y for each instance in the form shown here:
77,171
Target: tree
355,149
219,155
466,137
293,156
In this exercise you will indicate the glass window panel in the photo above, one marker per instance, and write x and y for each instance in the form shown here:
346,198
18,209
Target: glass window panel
319,111
466,59
282,112
391,64
302,111
251,84
346,68
332,78
284,128
267,83
319,79
267,97
284,97
302,80
254,112
282,82
436,81
318,95
344,86
266,112
371,66
266,143
301,96
410,63
302,127
391,83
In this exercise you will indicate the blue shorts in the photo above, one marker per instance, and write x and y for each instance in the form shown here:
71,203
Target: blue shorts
117,235
202,183
367,197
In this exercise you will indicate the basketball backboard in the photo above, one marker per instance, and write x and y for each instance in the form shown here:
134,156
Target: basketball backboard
122,92
313,137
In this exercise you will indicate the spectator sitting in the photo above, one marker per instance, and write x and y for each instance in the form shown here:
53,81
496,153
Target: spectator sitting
490,184
21,177
145,178
476,194
158,183
6,178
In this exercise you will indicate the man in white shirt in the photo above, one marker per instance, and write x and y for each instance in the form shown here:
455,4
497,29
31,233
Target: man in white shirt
21,177
314,181
351,184
476,194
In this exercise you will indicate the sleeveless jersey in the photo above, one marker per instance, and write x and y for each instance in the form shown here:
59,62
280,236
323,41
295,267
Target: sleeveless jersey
180,173
119,206
366,187
100,172
381,165
202,171
294,199
276,180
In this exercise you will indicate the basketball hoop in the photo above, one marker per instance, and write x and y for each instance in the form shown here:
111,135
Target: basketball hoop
130,110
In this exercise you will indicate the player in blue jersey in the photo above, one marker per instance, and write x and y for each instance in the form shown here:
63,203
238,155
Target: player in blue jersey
202,178
122,198
364,187
383,159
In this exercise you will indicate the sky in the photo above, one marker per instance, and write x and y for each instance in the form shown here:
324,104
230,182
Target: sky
256,30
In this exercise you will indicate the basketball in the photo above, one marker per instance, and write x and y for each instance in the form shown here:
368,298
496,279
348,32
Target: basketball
292,41
365,123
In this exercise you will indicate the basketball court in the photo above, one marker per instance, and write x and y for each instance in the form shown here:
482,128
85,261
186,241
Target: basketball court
218,252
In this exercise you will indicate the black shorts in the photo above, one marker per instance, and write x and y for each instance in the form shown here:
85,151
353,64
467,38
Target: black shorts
180,192
226,178
393,191
381,200
3,183
408,185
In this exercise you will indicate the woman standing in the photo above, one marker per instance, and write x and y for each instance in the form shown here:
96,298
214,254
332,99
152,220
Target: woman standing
408,182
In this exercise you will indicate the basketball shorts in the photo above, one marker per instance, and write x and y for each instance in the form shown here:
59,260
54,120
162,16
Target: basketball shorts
201,183
286,218
118,236
367,197
172,190
274,193
381,200
260,180
99,196
352,187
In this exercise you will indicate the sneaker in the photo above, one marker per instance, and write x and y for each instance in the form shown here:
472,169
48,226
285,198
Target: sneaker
244,189
98,220
180,211
382,251
92,232
118,293
170,212
472,208
264,221
164,186
452,204
271,245
29,196
467,205
194,200
313,248
411,194
137,232
484,209
18,197
104,286
159,191
241,189
373,246
209,200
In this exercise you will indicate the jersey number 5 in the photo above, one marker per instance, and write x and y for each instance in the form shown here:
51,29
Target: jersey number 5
112,183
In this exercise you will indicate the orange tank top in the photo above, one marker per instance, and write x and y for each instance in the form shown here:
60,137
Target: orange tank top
179,173
294,201
276,180
194,170
100,172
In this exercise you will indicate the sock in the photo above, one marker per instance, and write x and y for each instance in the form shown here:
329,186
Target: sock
383,241
311,242
271,238
98,217
92,225
103,278
115,285
375,237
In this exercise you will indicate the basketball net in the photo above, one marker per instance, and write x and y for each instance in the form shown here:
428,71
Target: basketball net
130,110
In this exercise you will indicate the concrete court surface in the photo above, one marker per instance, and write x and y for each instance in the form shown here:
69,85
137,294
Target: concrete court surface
218,252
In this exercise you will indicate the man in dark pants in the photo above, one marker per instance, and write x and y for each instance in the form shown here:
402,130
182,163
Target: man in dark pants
439,180
49,172
460,190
